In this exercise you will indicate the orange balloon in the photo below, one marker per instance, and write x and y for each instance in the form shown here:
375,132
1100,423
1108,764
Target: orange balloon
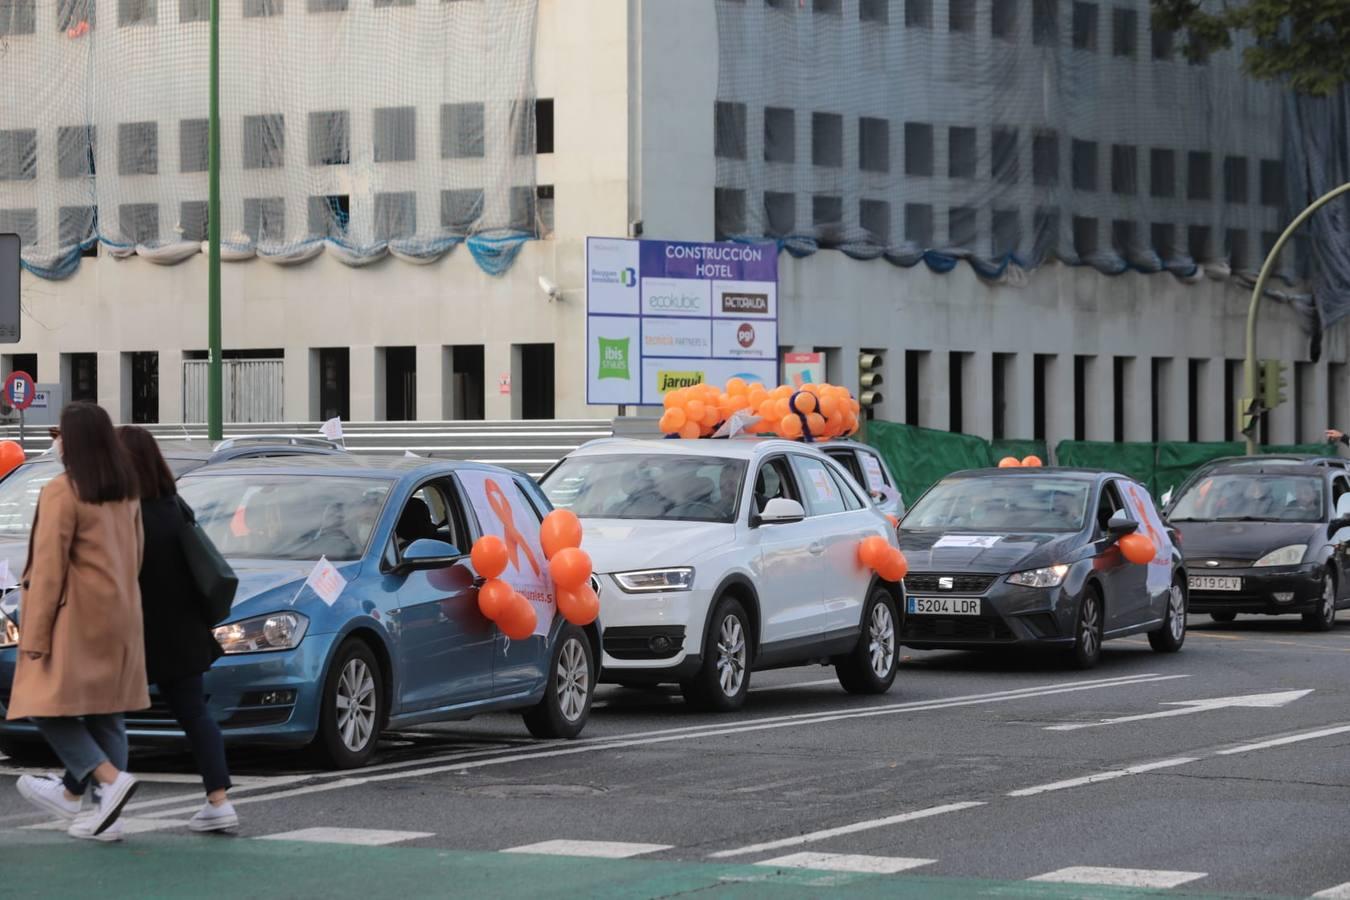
559,530
1137,548
1009,462
493,596
712,415
790,427
694,410
1031,462
675,398
804,402
816,422
570,567
517,619
489,556
895,523
893,565
736,386
871,549
11,457
827,405
677,417
580,607
689,431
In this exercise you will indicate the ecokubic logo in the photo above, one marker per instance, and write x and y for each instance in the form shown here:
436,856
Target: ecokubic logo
673,302
627,277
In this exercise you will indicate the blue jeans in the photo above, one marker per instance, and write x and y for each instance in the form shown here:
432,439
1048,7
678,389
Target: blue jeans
83,743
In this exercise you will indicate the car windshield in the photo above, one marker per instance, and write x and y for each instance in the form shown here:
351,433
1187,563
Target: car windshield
180,465
290,516
1238,497
688,488
1001,504
19,495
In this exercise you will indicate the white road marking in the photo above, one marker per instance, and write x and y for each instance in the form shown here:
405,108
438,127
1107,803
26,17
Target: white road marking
1140,878
827,833
364,837
795,684
1339,892
1187,707
596,849
1101,776
1280,742
847,862
239,781
132,825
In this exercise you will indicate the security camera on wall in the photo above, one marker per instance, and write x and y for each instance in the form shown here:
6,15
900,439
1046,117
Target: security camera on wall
548,287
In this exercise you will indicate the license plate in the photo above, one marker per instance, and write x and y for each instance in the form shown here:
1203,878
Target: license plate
1215,583
944,606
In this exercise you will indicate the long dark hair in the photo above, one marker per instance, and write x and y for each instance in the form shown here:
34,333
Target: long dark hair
94,458
153,475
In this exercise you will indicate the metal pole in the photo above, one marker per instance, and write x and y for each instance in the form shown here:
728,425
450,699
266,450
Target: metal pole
214,424
1249,365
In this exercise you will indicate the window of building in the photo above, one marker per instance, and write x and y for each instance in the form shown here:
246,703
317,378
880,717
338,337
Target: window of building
728,130
543,125
76,224
828,7
1007,232
265,219
461,209
1084,165
462,130
877,11
1162,178
961,226
18,155
827,209
22,222
827,139
918,13
1080,378
135,12
1198,243
961,152
524,212
328,215
138,148
193,220
386,4
1199,168
1235,179
321,6
1122,236
254,9
1003,157
919,224
1163,236
1120,378
1045,223
1003,23
1124,31
780,138
1085,26
956,392
1238,250
329,138
138,222
264,141
18,17
395,134
194,145
1162,43
918,148
1124,168
874,144
729,212
1272,182
545,203
780,213
1045,22
875,218
71,13
1085,236
1002,376
961,15
83,377
194,10
1045,158
396,215
75,151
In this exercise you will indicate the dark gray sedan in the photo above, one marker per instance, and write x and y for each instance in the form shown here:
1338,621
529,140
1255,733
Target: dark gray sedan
1001,557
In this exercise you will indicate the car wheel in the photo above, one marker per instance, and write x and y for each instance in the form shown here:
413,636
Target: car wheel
25,753
1324,618
1172,634
870,668
352,711
1087,638
724,678
1223,616
566,705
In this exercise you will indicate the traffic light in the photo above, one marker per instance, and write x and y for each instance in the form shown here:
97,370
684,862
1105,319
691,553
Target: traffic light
1273,383
1248,416
869,379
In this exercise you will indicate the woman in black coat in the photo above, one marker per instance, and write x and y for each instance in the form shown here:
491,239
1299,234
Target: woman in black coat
179,644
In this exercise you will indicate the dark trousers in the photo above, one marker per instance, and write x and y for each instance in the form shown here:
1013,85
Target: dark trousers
188,705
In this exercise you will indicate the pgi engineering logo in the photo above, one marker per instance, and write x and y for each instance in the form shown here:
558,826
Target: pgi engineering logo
613,358
626,276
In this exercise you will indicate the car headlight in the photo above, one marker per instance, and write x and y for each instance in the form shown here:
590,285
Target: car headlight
1285,556
9,634
277,631
648,580
1048,577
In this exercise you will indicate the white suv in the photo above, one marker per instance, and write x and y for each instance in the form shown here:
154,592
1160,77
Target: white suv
718,557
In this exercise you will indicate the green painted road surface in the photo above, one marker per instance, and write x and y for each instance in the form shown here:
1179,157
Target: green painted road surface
155,866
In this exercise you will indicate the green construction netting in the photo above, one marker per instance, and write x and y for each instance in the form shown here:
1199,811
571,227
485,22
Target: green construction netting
917,457
1137,460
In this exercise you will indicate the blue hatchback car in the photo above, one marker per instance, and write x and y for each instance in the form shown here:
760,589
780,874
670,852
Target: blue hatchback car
403,643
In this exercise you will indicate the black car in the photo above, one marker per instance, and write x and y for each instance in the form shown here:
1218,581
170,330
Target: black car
1264,459
1001,557
1269,539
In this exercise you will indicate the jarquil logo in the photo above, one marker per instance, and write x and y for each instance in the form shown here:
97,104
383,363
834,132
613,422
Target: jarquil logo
613,358
669,381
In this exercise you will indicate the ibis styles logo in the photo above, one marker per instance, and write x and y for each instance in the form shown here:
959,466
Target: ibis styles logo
613,358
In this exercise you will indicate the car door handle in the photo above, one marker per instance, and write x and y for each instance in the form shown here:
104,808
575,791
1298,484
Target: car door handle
816,549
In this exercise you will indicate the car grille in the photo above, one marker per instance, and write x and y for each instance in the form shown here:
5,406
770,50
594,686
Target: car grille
961,584
1198,565
937,628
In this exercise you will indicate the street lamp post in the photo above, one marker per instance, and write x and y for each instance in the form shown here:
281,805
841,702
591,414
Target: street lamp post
1249,366
214,424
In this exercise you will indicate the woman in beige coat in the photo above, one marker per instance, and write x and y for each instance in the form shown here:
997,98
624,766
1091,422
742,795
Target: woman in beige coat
81,650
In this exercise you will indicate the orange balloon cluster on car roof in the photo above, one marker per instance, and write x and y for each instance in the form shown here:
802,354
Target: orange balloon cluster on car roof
813,412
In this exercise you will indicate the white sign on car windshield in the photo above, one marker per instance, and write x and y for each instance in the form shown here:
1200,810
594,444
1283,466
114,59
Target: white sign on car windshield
820,484
502,511
872,469
980,541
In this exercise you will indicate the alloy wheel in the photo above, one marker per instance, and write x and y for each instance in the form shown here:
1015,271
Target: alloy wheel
574,680
731,656
1088,626
1329,601
881,640
356,705
1177,613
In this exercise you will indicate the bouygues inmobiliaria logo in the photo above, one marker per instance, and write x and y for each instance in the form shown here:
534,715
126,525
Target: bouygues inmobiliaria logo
626,276
613,358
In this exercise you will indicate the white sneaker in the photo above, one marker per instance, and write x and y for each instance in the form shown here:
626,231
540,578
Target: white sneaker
215,818
83,828
48,794
112,797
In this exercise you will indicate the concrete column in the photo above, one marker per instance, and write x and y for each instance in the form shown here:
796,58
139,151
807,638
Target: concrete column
1315,404
301,373
434,398
114,384
1019,420
1209,394
1282,416
1100,400
1174,417
367,384
1139,399
170,386
977,401
500,358
1059,405
49,368
935,390
1309,424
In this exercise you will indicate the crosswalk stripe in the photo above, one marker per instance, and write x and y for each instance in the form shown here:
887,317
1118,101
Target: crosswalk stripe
1141,878
1339,892
130,824
365,837
846,862
596,849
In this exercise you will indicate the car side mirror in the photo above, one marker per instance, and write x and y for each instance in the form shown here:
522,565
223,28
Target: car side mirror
427,553
1120,524
780,510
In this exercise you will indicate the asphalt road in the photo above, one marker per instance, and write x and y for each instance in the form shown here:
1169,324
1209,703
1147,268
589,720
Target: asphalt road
977,775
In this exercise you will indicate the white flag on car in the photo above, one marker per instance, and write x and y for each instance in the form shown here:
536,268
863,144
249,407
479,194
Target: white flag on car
326,581
332,429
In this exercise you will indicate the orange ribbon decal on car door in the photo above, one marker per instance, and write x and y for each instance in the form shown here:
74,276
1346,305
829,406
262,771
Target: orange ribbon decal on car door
515,541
